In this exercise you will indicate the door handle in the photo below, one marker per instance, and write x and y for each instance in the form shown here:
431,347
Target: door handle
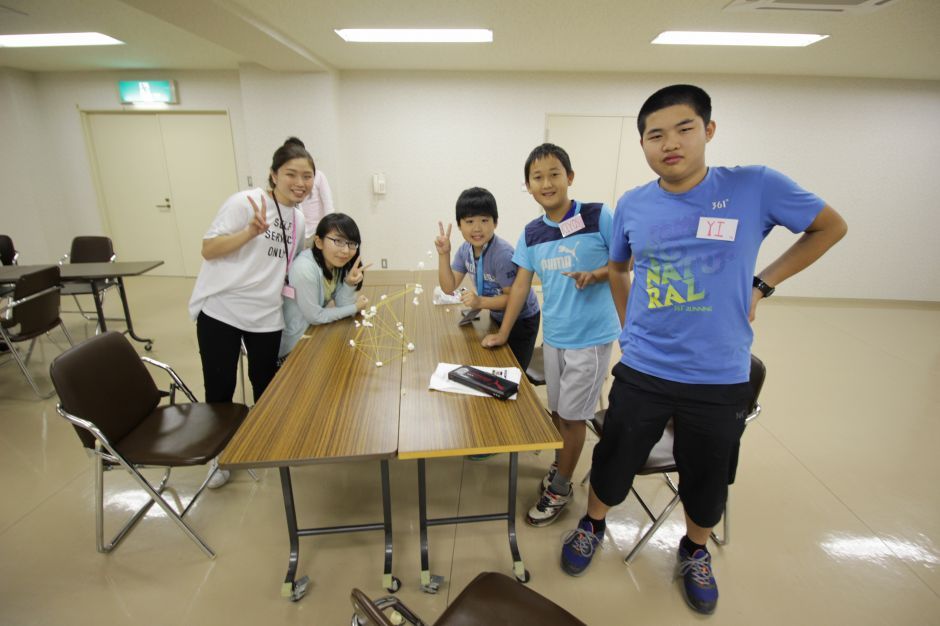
164,206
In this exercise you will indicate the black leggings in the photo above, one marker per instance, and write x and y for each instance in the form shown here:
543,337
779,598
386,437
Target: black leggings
219,348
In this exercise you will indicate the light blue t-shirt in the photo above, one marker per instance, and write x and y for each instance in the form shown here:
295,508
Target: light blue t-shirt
498,273
571,318
687,315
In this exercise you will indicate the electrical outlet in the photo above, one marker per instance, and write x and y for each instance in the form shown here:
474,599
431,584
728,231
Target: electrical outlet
384,264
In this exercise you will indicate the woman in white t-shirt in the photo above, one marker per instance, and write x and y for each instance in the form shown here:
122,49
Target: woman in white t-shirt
248,250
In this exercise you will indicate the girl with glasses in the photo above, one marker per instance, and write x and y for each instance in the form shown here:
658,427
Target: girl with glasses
330,271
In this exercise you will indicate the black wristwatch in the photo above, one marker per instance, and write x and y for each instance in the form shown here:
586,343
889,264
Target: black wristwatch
763,287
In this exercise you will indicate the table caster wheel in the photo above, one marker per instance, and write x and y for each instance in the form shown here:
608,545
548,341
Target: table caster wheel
395,586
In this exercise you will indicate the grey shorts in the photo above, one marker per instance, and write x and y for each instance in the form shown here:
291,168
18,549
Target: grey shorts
573,379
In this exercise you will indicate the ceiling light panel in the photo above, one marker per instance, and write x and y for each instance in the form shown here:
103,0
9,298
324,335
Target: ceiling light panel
49,40
415,35
705,38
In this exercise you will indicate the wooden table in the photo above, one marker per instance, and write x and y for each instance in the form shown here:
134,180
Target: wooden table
327,403
331,403
93,274
436,424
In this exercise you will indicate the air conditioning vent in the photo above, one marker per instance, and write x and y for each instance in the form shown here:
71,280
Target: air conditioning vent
810,6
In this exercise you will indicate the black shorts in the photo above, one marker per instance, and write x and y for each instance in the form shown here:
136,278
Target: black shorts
708,420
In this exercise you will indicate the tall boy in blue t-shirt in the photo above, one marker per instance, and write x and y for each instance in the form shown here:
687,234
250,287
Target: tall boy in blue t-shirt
693,236
568,248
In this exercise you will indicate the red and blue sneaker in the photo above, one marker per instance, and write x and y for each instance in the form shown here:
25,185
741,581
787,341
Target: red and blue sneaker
698,581
578,547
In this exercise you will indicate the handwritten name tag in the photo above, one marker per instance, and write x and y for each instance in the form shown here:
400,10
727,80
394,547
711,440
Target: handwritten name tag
717,228
571,225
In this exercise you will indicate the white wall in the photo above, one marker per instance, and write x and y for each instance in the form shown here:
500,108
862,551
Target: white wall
869,147
27,168
277,106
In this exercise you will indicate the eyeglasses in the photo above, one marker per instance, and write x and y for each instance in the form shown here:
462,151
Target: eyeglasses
344,243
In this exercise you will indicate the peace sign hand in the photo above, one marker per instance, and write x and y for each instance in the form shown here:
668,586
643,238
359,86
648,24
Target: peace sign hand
259,221
355,274
442,241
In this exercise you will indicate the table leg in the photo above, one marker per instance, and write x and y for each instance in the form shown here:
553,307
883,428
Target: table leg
429,583
518,566
148,343
102,324
291,589
391,583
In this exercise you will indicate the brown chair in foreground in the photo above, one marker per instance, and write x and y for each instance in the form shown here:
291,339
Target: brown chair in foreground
32,311
109,396
490,599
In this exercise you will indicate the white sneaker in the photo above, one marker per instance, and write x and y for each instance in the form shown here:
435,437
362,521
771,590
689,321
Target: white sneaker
220,477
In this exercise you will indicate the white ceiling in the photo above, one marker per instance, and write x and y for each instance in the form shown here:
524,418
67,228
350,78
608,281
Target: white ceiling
900,40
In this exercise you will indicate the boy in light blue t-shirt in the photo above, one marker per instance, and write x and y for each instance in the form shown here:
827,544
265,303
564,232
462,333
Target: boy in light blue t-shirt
568,248
693,236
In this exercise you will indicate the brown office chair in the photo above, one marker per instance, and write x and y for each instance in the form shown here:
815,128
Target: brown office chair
661,461
109,396
32,311
490,599
8,253
89,249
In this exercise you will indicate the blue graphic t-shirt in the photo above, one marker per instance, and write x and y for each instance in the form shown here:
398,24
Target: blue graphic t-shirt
498,273
571,318
694,259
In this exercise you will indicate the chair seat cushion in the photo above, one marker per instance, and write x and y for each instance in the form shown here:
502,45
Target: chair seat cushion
660,458
182,434
493,599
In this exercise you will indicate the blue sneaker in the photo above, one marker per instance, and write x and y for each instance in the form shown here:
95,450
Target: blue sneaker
578,548
698,582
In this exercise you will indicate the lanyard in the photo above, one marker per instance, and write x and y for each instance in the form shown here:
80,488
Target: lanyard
284,233
479,276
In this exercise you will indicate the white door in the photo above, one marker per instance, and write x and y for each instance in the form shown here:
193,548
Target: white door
200,160
133,182
161,180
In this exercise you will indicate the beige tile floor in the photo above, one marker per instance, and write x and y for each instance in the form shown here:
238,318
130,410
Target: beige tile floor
836,509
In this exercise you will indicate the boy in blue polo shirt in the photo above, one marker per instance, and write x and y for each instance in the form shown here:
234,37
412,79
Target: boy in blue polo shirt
693,235
568,248
487,259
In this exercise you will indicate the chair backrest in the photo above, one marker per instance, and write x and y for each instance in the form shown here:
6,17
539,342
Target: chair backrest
7,250
40,314
91,249
758,374
102,380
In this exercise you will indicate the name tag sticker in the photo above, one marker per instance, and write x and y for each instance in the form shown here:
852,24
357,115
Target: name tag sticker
571,225
717,228
288,292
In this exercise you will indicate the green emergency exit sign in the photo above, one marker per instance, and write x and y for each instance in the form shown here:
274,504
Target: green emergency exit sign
138,91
